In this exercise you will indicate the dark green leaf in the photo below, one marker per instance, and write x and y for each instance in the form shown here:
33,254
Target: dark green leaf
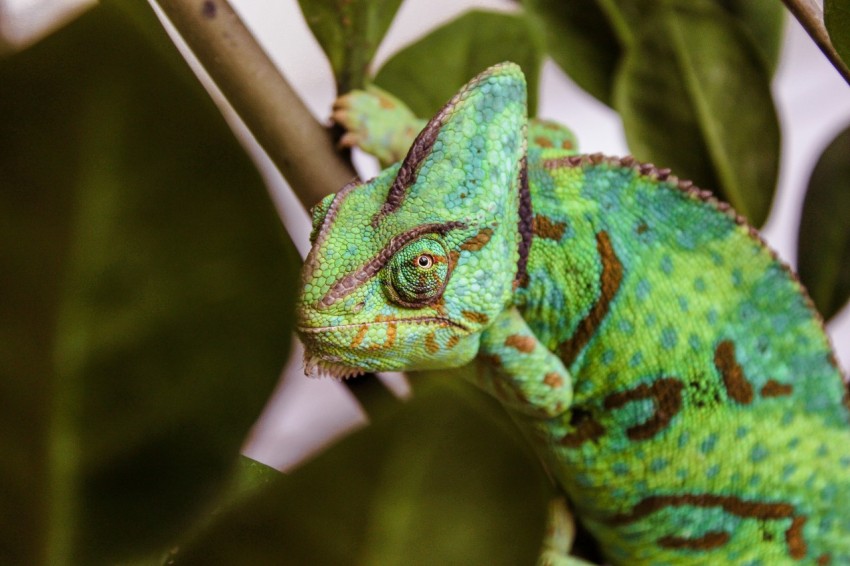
823,247
836,15
349,32
145,309
434,484
581,41
695,96
764,20
427,74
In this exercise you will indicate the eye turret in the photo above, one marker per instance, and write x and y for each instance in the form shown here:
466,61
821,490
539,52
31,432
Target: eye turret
417,274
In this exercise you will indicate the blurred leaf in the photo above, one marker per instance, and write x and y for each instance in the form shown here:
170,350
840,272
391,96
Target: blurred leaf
823,247
836,15
428,73
581,41
349,33
434,484
694,95
144,277
765,21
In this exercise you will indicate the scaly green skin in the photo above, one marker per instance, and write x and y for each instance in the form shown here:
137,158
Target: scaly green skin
671,370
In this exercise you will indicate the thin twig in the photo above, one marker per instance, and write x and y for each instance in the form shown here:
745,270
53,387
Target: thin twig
810,16
298,145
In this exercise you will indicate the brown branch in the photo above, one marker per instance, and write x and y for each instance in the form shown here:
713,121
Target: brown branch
810,16
297,144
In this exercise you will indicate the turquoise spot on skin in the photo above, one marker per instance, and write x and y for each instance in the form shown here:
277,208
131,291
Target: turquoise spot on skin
737,277
642,289
787,418
684,438
666,265
755,480
792,444
823,451
626,326
682,473
636,359
699,285
669,338
788,471
608,356
708,444
683,303
741,432
620,468
758,453
658,464
694,342
711,316
650,319
712,471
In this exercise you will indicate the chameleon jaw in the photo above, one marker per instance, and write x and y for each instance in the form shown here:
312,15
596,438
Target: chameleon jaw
314,366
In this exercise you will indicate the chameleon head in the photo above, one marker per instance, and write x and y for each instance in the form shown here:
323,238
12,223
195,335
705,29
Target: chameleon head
408,269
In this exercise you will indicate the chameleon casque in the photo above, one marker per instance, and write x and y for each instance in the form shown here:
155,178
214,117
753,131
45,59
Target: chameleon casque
671,371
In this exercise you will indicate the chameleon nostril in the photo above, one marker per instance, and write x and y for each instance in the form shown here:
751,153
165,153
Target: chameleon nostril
358,307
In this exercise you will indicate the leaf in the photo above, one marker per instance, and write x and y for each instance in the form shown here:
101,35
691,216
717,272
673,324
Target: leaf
694,96
427,74
436,483
349,33
144,276
836,15
581,41
764,20
823,247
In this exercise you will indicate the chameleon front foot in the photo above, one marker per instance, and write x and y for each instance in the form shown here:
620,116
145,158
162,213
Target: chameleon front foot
376,122
560,536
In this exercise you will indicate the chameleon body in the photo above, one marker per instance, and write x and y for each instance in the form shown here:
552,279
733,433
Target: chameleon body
671,370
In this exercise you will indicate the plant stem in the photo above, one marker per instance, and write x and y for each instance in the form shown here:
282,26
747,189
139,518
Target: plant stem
298,145
810,16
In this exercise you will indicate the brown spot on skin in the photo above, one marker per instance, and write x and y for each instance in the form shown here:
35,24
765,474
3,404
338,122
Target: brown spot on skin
431,343
666,394
775,389
642,228
824,559
386,103
361,334
794,538
708,541
545,227
553,380
585,428
452,341
734,380
478,241
730,504
609,283
542,141
523,344
476,317
566,144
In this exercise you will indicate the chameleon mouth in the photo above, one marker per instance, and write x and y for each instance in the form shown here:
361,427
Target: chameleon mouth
418,320
315,366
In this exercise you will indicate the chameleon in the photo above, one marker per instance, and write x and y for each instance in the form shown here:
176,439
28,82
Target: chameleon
670,370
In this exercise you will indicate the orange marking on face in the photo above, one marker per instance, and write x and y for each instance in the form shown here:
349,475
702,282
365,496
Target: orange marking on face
361,334
452,341
431,343
391,332
477,317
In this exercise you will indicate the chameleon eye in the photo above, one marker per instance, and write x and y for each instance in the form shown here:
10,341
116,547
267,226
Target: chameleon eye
417,274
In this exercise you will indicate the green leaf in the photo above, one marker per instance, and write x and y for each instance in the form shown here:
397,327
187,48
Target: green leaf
426,75
436,483
694,96
836,15
145,312
581,41
764,20
349,33
823,247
